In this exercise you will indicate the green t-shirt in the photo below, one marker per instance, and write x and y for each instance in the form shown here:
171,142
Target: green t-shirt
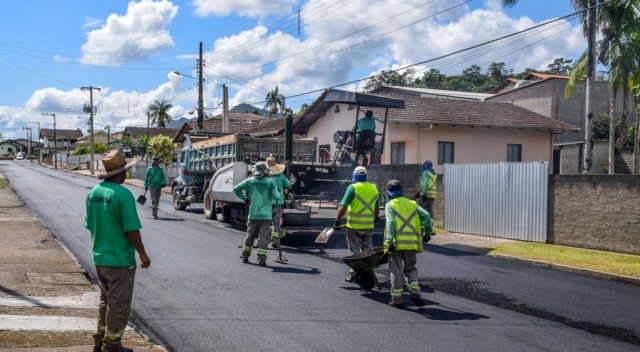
365,124
282,182
350,194
155,178
262,192
111,213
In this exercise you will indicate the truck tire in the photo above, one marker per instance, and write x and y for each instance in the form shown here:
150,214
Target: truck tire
209,210
223,212
177,205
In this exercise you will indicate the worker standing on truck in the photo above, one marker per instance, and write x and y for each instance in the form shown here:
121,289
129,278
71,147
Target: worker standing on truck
362,201
407,227
154,181
282,182
261,191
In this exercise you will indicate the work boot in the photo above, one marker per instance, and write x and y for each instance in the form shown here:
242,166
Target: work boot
274,244
417,300
398,305
262,260
245,257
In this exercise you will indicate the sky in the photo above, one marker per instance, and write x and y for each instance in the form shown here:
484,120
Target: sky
50,50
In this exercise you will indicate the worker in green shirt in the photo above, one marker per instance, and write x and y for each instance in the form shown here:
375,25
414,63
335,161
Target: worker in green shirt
112,219
154,181
365,137
427,194
407,227
362,203
282,183
260,191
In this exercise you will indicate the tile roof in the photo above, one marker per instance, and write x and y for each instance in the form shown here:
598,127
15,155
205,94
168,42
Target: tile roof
48,132
135,132
471,113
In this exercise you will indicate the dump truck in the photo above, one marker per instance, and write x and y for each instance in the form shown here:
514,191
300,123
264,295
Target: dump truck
210,169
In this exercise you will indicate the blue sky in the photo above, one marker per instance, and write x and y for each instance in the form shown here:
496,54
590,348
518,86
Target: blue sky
49,49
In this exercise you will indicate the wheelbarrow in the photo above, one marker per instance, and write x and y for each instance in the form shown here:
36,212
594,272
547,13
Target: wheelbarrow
363,264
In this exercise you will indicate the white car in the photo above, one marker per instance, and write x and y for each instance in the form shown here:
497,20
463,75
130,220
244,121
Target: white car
21,156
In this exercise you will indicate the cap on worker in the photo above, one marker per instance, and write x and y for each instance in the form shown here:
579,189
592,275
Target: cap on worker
394,185
114,163
360,170
369,113
274,168
260,169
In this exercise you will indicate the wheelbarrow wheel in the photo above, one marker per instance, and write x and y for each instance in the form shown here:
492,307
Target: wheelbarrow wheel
365,279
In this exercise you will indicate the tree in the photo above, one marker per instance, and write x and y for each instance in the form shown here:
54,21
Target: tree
433,79
274,102
81,150
587,13
498,72
303,108
159,113
137,146
99,148
560,66
390,78
161,147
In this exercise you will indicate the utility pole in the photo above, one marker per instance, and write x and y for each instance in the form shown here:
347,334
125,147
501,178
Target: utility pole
55,139
108,137
91,112
39,151
200,101
225,109
28,129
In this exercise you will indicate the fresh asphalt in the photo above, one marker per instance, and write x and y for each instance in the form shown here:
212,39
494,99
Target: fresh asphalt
198,296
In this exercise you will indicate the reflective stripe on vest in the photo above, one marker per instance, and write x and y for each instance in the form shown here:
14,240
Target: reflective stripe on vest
408,235
362,207
431,186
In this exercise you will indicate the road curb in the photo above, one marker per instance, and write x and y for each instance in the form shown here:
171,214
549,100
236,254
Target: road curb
571,269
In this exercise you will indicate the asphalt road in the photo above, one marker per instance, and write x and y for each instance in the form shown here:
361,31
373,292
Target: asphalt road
198,296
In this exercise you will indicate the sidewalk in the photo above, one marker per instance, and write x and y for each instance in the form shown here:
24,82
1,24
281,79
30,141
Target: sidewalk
47,303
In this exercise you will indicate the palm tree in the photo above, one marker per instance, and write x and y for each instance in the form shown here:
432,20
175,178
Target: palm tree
618,50
274,102
158,112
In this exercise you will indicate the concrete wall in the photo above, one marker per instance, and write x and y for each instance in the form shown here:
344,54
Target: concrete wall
570,159
595,211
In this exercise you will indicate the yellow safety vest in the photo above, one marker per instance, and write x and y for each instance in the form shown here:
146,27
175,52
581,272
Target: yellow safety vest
408,234
431,186
362,207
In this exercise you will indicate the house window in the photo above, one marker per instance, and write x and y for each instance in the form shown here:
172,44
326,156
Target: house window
397,153
324,152
514,152
445,153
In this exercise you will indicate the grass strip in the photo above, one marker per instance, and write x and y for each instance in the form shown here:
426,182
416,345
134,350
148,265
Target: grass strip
614,263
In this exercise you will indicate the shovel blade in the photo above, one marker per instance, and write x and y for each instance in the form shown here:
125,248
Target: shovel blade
142,199
325,235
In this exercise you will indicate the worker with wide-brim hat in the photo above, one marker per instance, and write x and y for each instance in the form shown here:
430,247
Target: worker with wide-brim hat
112,219
282,182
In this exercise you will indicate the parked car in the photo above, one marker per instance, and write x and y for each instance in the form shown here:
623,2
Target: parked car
21,156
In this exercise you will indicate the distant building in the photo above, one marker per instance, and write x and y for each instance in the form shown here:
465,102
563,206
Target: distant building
63,143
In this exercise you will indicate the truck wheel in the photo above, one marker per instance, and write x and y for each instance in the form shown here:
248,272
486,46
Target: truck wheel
223,212
177,205
209,210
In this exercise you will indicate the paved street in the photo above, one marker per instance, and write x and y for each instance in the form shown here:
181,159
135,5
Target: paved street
198,296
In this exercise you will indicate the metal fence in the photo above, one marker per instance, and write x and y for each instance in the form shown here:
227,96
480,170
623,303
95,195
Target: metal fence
506,200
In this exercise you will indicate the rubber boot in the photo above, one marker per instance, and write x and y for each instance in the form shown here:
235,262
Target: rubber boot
262,260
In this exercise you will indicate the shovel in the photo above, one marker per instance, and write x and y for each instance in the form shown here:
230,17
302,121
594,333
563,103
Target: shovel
326,234
141,198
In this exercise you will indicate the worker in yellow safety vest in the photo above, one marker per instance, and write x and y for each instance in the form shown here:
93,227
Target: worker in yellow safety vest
408,226
362,202
427,194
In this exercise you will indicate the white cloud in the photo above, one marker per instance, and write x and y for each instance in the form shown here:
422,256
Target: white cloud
246,8
92,22
134,36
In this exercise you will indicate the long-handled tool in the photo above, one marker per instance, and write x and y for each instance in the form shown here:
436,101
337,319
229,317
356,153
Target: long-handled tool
142,198
281,259
326,234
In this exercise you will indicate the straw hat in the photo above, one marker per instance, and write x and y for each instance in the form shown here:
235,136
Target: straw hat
114,163
276,169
